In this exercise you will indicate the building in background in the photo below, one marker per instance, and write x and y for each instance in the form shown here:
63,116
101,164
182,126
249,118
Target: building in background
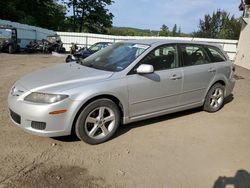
243,54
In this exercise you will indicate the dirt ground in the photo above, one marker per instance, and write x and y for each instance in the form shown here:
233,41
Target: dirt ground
184,150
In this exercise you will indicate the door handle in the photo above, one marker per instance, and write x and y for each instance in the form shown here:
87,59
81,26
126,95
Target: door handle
212,70
175,77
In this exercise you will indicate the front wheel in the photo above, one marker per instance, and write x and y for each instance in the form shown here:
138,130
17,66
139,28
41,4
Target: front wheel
98,121
215,98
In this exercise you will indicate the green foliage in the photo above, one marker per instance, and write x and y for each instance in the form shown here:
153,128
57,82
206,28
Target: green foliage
174,31
46,13
91,16
179,32
126,31
164,31
219,25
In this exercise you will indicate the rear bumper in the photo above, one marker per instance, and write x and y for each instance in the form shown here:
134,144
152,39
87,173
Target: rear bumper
230,86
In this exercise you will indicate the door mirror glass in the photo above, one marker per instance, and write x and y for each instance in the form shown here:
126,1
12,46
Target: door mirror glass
145,69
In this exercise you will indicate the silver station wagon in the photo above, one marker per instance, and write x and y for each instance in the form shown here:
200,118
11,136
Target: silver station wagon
123,83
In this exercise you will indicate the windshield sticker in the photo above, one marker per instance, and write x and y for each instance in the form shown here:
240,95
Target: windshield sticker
141,46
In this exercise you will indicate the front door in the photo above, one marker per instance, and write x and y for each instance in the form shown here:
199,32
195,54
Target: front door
159,91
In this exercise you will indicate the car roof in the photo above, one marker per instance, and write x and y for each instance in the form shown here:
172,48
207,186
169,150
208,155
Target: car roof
167,41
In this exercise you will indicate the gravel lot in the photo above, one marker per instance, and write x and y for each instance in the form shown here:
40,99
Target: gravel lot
183,150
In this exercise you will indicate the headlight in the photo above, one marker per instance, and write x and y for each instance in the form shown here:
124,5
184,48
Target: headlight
44,98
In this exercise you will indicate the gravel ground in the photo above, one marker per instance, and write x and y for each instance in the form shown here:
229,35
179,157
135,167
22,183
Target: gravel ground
182,150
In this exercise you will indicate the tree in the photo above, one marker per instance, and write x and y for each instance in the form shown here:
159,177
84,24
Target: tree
164,31
219,25
91,15
179,32
174,31
46,13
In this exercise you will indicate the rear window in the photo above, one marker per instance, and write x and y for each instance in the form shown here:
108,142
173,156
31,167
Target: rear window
216,55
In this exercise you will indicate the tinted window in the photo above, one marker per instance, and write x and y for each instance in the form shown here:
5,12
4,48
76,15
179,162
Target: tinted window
216,55
161,58
193,55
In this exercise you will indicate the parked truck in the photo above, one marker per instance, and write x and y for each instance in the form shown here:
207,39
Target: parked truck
8,39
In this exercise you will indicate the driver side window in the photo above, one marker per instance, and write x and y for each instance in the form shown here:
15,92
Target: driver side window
162,58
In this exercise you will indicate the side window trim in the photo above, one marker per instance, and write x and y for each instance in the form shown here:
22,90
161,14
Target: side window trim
132,71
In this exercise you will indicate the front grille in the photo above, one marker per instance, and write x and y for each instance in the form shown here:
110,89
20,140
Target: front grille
15,117
38,125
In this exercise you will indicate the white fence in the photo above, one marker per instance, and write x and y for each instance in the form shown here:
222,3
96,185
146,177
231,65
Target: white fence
87,39
27,33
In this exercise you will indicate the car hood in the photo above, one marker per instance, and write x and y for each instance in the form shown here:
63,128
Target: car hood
62,77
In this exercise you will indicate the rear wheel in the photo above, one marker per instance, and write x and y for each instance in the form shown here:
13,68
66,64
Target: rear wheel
215,98
98,121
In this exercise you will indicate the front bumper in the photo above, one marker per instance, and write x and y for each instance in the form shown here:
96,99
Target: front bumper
24,114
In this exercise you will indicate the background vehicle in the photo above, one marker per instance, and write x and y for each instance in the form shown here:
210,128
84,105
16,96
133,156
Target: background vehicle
53,43
126,82
83,52
8,39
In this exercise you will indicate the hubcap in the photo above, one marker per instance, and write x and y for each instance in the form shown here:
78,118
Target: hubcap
100,122
216,99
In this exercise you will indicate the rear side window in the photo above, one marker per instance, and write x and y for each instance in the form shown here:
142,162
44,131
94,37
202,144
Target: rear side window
216,55
193,55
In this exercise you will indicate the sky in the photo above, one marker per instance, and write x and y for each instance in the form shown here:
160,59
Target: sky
152,14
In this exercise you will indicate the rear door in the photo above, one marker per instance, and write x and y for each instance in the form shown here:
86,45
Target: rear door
199,72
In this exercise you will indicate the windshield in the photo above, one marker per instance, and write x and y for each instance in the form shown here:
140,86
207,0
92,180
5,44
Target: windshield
5,33
53,38
116,57
98,46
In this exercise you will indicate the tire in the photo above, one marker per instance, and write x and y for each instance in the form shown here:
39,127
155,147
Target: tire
11,49
98,121
68,59
214,100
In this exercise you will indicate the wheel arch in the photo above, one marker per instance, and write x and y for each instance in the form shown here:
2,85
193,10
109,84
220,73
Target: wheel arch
215,81
219,82
101,96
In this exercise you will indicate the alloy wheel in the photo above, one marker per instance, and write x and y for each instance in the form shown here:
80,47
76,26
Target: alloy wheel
217,97
100,122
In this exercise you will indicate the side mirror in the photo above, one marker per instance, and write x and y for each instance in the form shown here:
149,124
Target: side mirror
145,69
